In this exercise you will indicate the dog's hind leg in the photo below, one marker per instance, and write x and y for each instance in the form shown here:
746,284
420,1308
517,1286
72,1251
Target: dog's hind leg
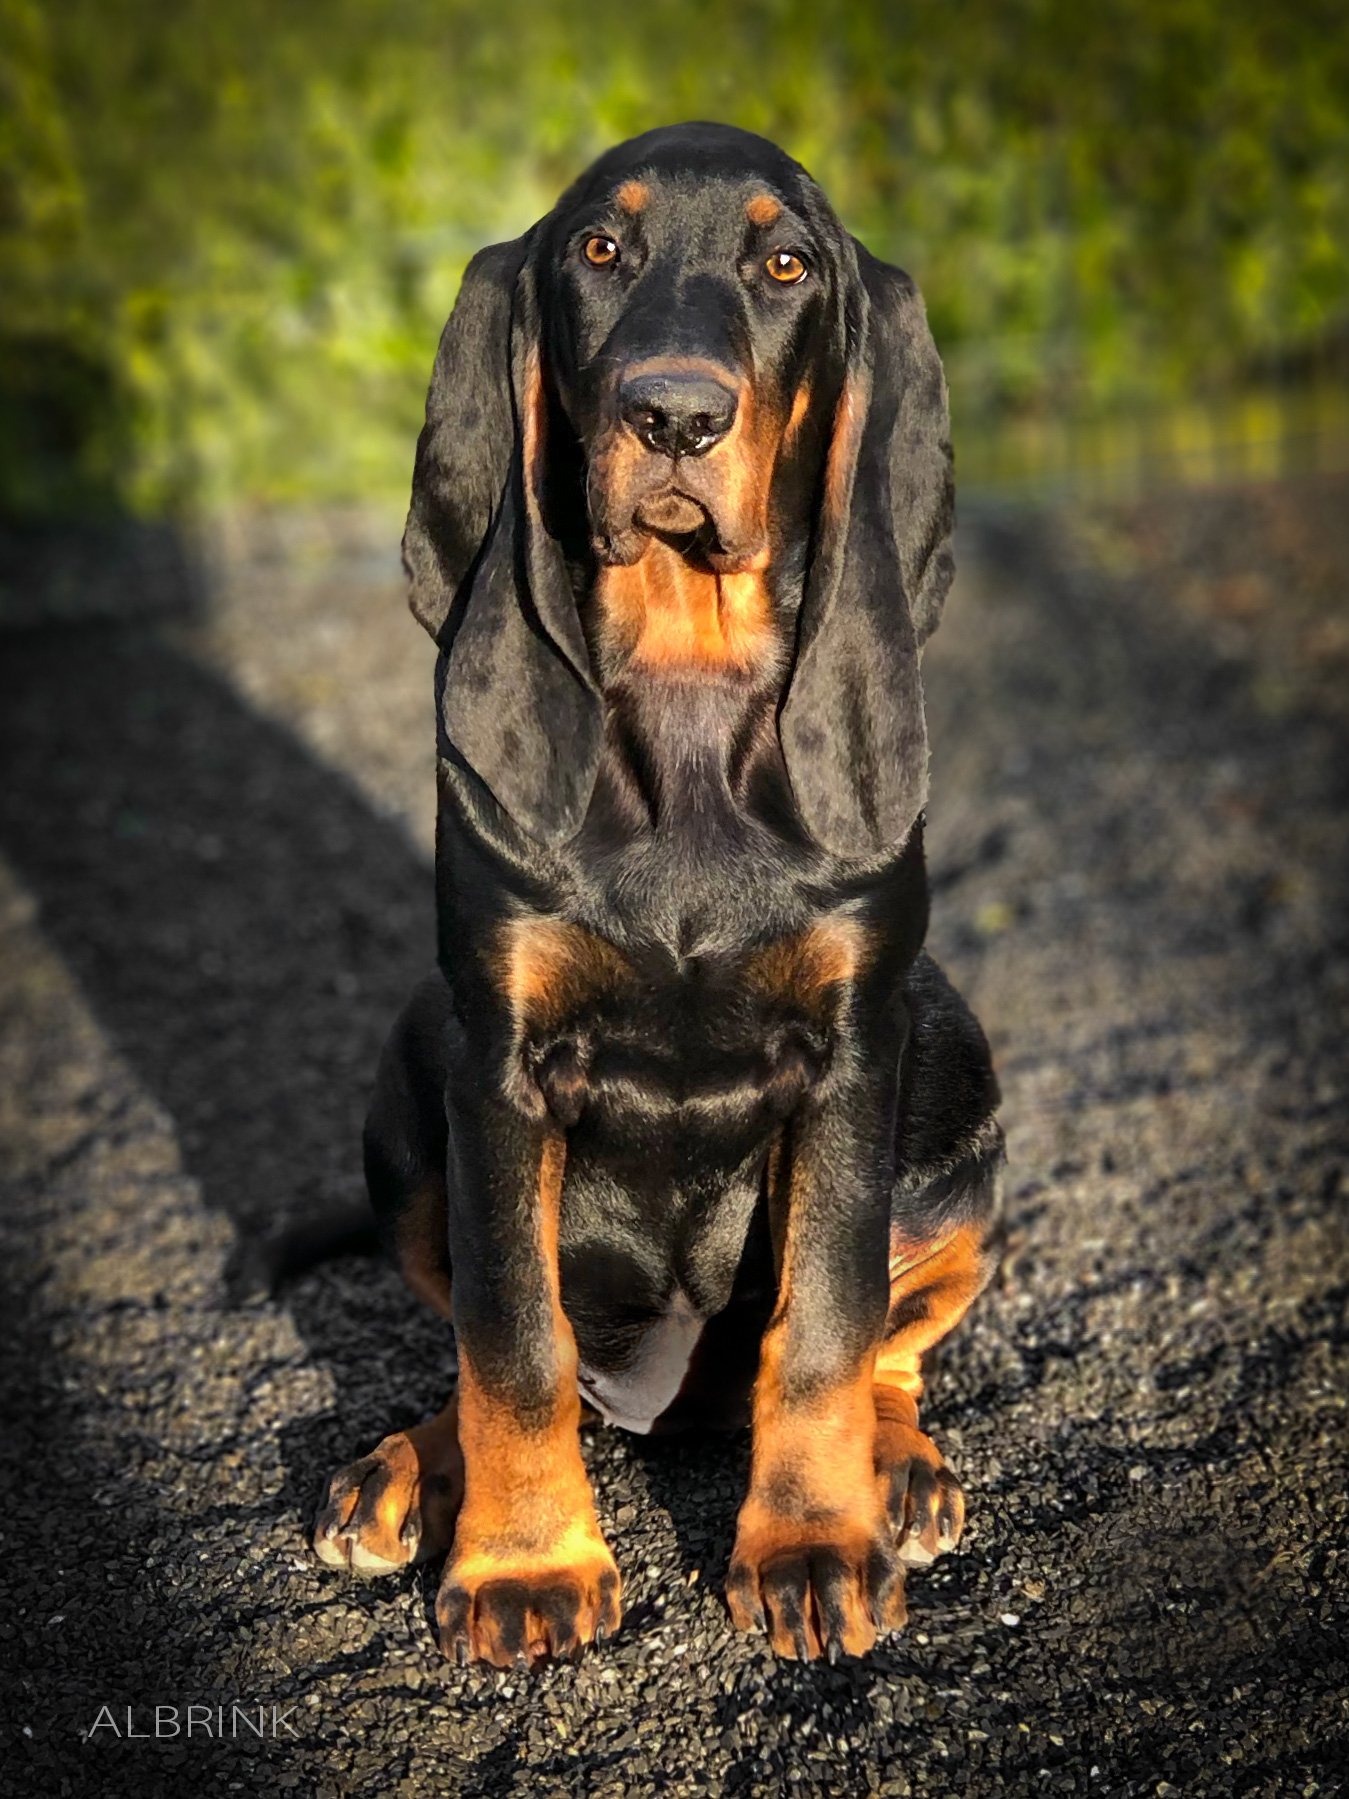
943,1218
405,1142
399,1503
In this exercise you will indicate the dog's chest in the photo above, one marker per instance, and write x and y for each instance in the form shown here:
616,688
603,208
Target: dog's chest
635,1394
704,1053
683,846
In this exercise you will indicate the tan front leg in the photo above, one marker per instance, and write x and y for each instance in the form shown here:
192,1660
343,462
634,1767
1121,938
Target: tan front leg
814,1561
530,1575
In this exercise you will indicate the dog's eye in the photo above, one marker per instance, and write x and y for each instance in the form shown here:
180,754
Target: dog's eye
600,252
785,267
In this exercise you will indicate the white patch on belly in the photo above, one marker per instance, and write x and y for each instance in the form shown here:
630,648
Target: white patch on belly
635,1397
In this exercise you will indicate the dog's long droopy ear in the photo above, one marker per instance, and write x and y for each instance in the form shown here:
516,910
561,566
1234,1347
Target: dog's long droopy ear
518,703
464,451
852,727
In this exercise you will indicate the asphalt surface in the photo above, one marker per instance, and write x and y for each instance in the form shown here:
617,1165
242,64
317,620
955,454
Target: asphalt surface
215,889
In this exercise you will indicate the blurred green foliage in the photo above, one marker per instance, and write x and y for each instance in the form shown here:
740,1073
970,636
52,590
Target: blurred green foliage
230,230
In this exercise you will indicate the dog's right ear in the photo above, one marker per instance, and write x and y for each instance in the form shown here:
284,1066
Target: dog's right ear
518,704
464,451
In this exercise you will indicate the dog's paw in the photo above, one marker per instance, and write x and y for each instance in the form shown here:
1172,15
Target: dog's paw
923,1497
394,1506
501,1610
829,1588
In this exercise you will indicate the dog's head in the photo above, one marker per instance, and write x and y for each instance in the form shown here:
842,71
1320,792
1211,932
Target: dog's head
689,287
689,348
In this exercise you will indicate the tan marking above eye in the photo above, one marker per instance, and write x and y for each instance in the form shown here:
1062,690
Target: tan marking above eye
783,266
763,209
633,196
600,252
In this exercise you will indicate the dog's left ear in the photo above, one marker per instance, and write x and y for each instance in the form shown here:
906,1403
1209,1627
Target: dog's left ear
517,698
852,727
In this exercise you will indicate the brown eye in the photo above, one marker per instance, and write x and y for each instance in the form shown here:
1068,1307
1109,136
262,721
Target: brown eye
785,267
600,252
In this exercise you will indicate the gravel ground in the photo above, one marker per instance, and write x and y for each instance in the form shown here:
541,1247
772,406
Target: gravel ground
214,894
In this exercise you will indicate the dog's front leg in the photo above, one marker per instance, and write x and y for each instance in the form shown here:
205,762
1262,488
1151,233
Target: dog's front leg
814,1560
529,1574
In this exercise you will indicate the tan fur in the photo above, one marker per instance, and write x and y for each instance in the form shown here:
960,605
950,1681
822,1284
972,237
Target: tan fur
665,614
800,407
416,1473
950,1273
803,968
841,466
546,969
813,1480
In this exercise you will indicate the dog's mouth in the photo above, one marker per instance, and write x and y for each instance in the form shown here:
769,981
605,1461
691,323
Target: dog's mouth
672,513
693,526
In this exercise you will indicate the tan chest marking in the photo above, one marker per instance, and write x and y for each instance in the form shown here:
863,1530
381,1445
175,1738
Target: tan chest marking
807,970
547,970
664,614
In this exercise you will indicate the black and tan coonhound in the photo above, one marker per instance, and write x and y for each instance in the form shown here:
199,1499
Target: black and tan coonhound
688,1129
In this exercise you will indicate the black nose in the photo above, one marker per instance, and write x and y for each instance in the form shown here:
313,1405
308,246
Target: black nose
677,414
